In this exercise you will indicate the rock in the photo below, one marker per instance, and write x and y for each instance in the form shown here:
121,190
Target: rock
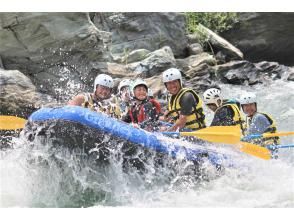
195,60
220,57
155,64
221,44
194,49
194,38
200,77
133,56
272,69
56,50
120,70
199,71
200,84
17,94
156,84
238,72
264,36
151,31
291,76
1,64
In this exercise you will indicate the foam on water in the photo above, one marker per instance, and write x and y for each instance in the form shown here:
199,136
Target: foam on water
256,183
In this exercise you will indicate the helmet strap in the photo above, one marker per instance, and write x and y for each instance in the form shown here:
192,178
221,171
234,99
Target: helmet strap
220,104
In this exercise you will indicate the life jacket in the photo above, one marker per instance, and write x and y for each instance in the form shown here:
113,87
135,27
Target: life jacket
271,129
89,102
139,116
109,106
237,116
196,120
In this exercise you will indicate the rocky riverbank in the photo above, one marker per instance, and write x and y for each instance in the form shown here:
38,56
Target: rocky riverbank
45,58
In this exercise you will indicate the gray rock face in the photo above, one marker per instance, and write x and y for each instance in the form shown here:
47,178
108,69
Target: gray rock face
273,70
56,50
155,64
195,60
133,56
149,31
1,64
238,72
291,77
17,94
264,36
194,49
200,77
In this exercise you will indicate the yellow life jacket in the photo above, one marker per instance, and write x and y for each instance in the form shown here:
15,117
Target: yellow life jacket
271,129
196,120
109,107
238,119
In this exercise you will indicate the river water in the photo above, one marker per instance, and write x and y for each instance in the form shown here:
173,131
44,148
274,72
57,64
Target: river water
256,183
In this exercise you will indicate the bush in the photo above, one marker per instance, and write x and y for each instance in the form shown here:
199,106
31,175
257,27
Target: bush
215,21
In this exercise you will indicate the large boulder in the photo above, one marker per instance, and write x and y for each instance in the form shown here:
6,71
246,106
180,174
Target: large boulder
200,77
56,50
291,77
155,63
18,95
264,36
194,49
238,72
195,60
273,70
149,31
131,57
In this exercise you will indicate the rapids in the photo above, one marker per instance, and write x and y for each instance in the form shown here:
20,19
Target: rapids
32,178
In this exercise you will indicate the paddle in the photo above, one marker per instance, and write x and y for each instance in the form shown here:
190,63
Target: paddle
227,135
218,134
255,150
254,136
273,147
11,122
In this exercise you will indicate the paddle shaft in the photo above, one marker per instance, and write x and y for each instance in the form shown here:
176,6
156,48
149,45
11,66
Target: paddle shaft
272,147
254,136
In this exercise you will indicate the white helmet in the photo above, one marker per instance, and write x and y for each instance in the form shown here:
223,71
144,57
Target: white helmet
123,83
138,82
247,98
171,74
211,96
103,80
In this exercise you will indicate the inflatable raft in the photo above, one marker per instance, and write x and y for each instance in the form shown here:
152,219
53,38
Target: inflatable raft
89,133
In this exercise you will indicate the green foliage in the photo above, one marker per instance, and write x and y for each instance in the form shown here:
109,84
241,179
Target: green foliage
215,21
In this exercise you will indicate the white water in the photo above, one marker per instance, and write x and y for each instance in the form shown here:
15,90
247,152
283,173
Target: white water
260,184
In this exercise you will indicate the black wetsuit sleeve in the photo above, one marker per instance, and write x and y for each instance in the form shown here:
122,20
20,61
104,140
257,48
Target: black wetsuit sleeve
223,117
188,103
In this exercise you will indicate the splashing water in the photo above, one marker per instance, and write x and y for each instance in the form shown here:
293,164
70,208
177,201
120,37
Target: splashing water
38,178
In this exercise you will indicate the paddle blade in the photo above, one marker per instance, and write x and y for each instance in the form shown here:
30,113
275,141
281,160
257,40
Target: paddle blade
11,122
255,150
217,134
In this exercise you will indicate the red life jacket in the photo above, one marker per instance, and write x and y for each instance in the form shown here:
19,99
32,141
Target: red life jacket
141,116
